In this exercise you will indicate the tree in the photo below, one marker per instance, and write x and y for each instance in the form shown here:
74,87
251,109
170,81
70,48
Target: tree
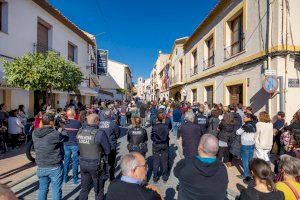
42,71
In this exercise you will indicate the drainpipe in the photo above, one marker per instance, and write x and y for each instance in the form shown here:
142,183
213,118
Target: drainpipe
281,93
267,47
287,58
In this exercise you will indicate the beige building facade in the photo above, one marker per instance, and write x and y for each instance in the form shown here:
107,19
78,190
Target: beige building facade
237,45
243,52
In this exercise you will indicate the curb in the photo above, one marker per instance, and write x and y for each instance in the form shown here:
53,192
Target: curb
12,184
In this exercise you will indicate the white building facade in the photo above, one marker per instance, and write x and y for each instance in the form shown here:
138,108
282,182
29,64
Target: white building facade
36,26
117,83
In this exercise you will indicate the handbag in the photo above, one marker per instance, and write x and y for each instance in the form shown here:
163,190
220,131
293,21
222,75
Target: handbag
297,195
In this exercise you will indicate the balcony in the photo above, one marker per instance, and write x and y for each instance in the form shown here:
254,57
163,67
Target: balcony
234,49
175,80
40,48
209,63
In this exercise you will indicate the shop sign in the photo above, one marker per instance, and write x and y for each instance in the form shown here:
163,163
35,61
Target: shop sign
293,83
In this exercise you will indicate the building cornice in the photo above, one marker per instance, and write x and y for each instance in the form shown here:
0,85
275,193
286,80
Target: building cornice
64,20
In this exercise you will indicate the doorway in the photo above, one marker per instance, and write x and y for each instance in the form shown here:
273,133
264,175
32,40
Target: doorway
209,95
236,94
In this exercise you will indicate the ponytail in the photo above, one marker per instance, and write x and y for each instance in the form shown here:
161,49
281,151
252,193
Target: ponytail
270,183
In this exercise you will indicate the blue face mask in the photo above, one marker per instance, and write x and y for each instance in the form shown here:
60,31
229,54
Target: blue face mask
206,160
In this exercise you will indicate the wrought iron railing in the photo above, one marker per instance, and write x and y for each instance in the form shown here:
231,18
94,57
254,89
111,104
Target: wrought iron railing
209,63
40,48
234,48
194,70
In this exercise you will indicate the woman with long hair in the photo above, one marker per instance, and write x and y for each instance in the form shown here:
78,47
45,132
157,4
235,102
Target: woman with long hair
264,186
226,134
263,136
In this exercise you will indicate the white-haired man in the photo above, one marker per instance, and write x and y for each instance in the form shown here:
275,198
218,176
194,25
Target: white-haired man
131,187
202,177
190,134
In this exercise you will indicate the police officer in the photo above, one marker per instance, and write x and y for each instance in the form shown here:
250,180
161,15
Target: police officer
112,131
200,119
137,138
160,148
94,146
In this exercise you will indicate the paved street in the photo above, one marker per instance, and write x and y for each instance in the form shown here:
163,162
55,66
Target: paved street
27,189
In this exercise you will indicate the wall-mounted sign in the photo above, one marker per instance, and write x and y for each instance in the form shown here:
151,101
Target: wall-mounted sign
270,72
102,59
294,83
270,84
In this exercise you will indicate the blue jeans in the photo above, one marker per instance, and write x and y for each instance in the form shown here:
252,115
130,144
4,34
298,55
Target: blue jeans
71,150
247,155
175,127
123,120
47,175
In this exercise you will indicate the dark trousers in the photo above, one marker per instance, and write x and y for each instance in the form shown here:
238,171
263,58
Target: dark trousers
111,162
14,140
90,177
223,154
161,158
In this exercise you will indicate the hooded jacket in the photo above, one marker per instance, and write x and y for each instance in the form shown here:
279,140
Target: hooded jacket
199,180
48,145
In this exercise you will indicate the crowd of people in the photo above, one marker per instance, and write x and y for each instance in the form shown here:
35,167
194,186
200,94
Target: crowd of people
213,138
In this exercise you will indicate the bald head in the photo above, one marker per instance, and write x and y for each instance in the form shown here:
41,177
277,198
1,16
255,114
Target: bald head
208,146
92,119
71,113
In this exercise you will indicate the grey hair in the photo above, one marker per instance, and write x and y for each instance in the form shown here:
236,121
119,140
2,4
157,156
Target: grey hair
210,144
107,113
189,116
128,163
290,165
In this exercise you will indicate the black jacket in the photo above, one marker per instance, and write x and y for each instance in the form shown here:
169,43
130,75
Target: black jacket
190,134
48,145
253,194
118,190
213,125
112,131
202,121
237,121
198,180
160,135
226,131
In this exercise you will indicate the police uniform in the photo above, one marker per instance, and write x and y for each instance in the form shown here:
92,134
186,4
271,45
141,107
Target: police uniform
202,121
112,131
94,145
137,140
160,148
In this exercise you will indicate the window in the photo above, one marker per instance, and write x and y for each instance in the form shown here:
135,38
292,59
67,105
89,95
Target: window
72,51
3,16
237,35
42,38
195,62
210,59
181,69
194,95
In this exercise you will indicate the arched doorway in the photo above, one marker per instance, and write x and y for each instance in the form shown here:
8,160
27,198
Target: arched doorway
177,96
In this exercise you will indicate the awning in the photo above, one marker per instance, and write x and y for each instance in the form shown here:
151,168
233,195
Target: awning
87,91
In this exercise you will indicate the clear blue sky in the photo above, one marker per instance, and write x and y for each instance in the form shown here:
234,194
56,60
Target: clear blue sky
135,30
